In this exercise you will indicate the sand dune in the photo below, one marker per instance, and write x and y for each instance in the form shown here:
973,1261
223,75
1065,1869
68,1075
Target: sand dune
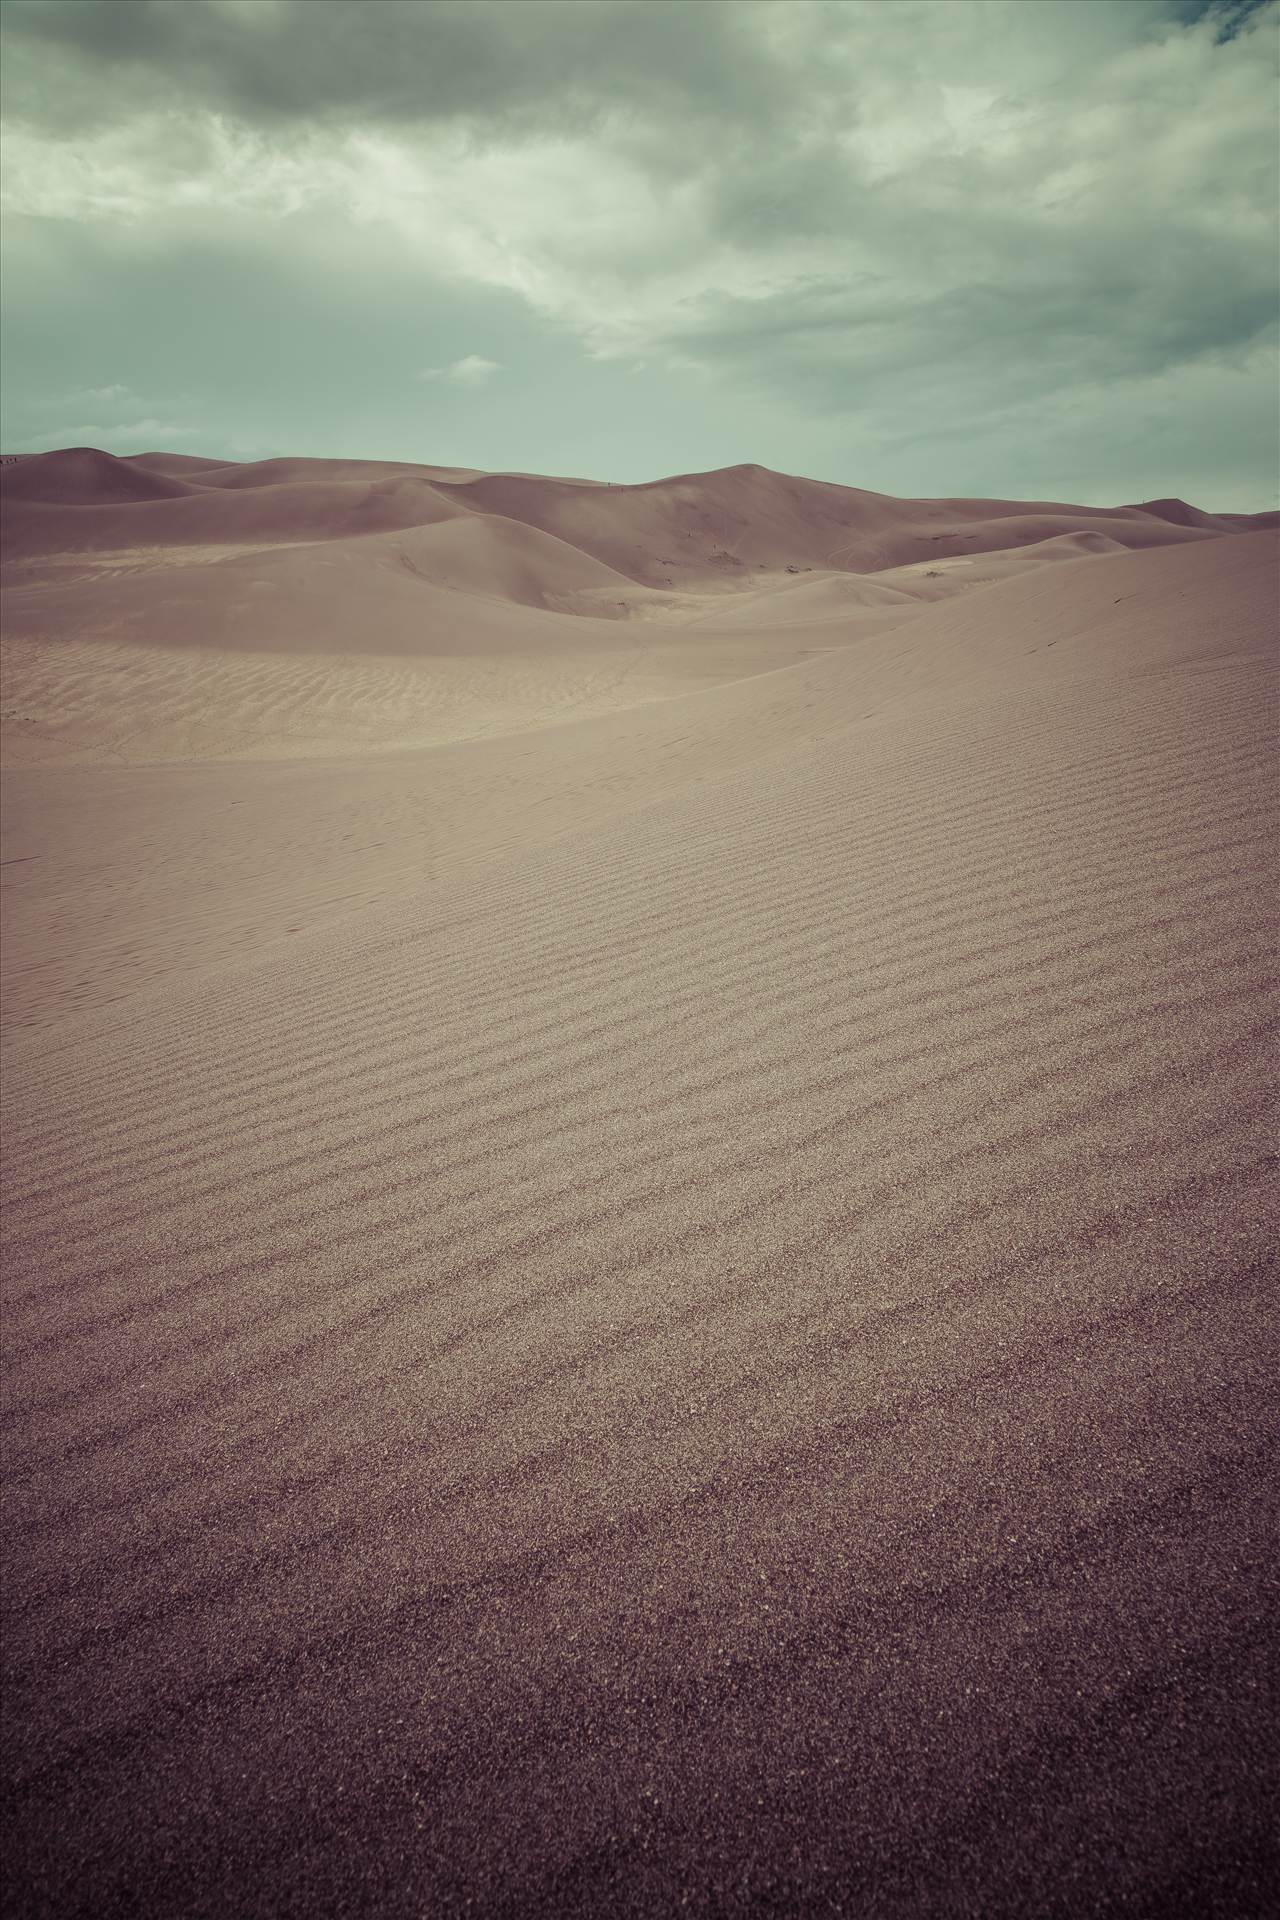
726,527
432,603
88,477
640,1251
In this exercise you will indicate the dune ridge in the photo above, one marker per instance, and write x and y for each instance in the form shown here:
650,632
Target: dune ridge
712,525
377,569
642,1278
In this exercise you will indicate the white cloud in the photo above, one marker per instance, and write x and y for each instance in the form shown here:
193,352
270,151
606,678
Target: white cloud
105,396
143,434
473,370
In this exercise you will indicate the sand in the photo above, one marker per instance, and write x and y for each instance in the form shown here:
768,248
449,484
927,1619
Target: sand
640,1197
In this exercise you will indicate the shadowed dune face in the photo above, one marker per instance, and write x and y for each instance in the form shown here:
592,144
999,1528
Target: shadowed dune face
87,477
640,1198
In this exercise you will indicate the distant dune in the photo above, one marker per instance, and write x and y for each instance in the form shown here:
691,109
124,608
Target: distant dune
431,602
641,1196
696,529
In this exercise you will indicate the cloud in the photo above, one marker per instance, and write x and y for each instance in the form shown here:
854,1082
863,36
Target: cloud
901,217
276,63
142,434
105,396
473,370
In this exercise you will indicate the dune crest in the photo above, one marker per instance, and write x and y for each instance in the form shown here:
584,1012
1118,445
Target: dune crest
714,528
434,602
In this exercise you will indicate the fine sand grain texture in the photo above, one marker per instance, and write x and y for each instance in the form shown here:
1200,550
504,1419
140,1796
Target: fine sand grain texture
640,1204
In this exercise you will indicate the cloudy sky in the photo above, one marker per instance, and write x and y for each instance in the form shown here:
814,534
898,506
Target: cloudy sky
1014,247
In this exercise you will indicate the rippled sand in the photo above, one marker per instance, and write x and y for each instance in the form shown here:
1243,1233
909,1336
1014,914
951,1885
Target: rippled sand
653,1299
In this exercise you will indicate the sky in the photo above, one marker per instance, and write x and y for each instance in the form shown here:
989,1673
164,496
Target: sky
1017,248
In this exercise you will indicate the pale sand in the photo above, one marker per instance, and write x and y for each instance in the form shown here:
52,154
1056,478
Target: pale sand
640,1243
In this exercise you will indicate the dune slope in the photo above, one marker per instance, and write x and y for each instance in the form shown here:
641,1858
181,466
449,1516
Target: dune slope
672,1309
719,528
390,605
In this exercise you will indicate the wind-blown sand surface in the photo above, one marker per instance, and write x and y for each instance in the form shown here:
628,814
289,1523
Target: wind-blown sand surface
641,1198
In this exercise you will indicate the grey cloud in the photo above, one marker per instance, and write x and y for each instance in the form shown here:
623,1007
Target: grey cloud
1227,17
385,61
930,216
961,363
700,67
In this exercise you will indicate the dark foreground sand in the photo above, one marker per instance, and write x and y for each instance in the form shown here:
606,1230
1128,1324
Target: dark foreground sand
671,1309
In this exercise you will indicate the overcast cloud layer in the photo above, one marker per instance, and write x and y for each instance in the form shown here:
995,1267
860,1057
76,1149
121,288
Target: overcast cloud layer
924,246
